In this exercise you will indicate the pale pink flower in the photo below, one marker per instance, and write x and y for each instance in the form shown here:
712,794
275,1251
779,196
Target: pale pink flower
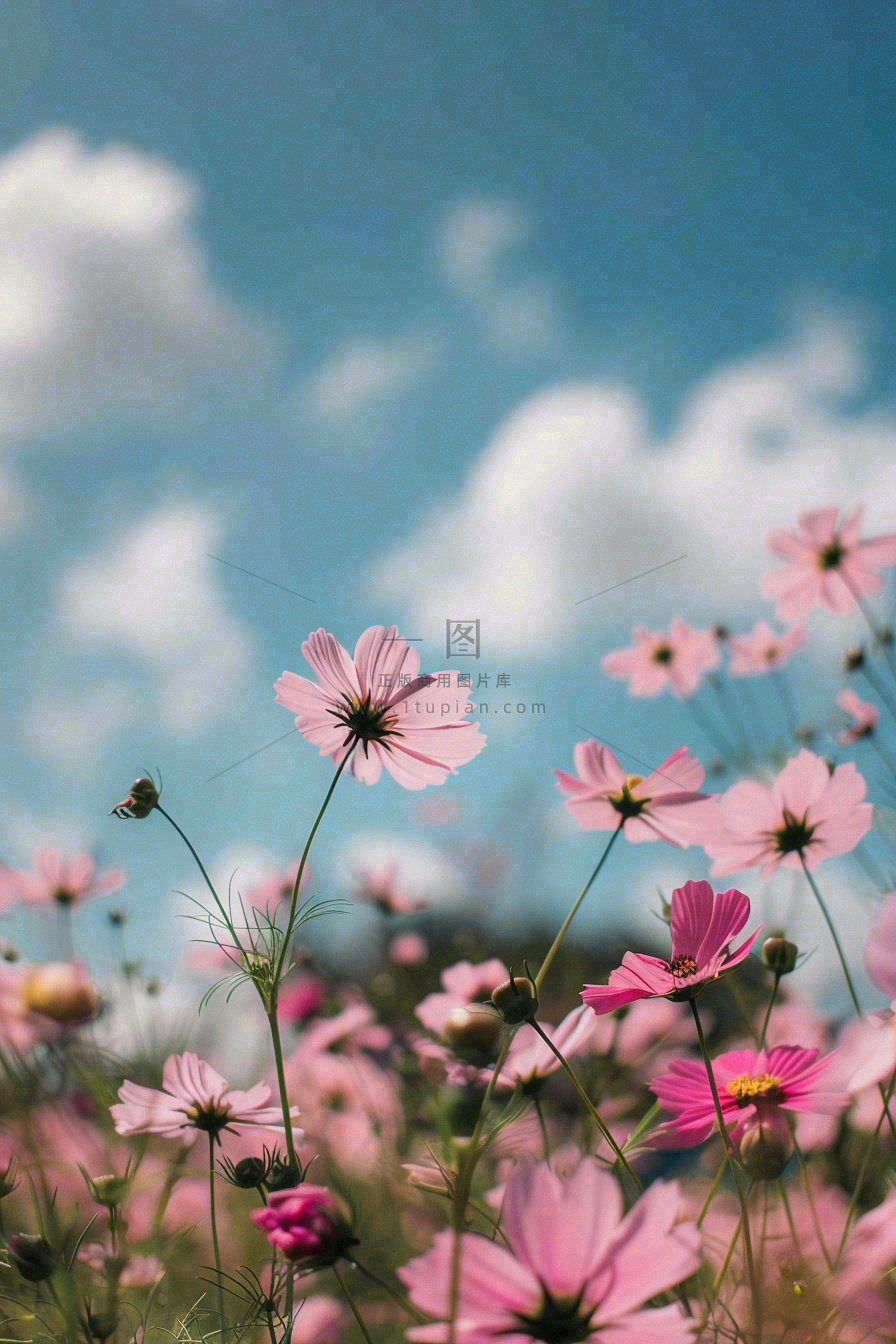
193,1097
675,660
530,1060
807,811
381,885
864,1284
58,878
828,563
666,805
573,1268
762,649
408,949
880,948
865,716
463,983
702,925
750,1083
320,1320
20,1025
139,1271
413,725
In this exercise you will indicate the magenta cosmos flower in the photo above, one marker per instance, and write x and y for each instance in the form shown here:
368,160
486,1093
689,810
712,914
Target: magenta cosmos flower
413,725
58,878
307,1224
573,1268
828,563
193,1097
751,1083
702,925
864,716
663,806
762,650
808,811
658,661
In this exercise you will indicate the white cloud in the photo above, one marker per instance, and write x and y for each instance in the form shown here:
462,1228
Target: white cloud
424,872
474,236
362,376
73,727
152,594
571,496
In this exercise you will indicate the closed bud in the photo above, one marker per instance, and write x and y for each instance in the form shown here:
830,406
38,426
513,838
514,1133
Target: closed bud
766,1145
31,1255
106,1190
10,953
249,1173
284,1176
476,1027
140,801
721,632
516,1000
779,955
100,1325
854,659
62,991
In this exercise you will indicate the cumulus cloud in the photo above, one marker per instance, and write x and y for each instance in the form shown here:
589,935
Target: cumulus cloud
151,594
474,236
363,376
424,872
572,495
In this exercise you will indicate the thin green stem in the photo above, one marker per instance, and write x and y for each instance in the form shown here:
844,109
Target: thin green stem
716,1181
277,1046
558,941
346,1291
833,932
729,1150
200,865
589,1105
768,1011
387,1287
545,1140
863,1168
214,1222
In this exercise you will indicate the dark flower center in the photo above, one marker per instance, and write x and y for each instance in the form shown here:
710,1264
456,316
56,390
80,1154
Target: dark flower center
683,965
662,654
63,897
560,1321
794,836
624,803
366,721
210,1119
831,556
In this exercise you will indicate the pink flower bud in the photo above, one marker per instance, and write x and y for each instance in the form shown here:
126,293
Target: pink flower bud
308,1224
766,1145
62,991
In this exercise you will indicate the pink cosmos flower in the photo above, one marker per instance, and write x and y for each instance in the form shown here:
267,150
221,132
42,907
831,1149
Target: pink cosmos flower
464,983
880,948
529,1060
307,1224
751,1083
301,998
193,1097
864,715
320,1320
827,563
380,885
675,660
413,725
573,1268
58,878
664,806
807,811
702,925
864,1284
408,949
761,650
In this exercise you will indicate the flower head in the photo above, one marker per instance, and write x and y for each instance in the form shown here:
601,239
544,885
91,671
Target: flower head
413,725
865,716
751,1083
658,661
702,925
864,1283
666,805
573,1269
308,1224
58,878
828,563
193,1098
808,812
464,983
762,650
530,1059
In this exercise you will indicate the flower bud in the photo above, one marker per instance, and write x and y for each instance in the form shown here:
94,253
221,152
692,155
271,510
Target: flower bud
308,1224
31,1255
779,955
854,659
721,633
10,953
249,1173
100,1325
62,991
476,1027
516,1000
140,801
766,1145
106,1190
9,1179
284,1176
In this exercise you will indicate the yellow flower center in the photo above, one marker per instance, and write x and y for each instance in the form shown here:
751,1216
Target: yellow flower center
748,1087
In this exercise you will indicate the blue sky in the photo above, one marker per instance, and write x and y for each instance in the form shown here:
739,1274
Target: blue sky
422,312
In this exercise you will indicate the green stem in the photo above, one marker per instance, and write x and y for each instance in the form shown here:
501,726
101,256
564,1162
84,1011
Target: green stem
833,932
869,620
863,1169
729,1150
592,1111
214,1221
354,1306
716,1181
545,1141
274,1025
200,865
278,970
394,1293
768,1011
558,941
